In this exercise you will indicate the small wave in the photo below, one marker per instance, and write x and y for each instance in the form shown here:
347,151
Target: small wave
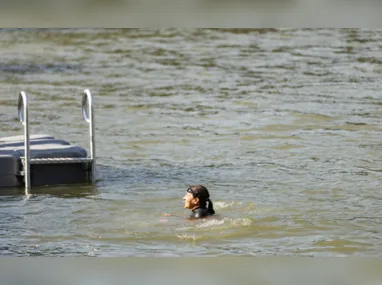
212,229
237,206
187,237
218,224
210,223
242,222
222,205
226,223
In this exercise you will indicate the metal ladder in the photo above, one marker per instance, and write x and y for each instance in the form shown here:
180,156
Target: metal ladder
88,115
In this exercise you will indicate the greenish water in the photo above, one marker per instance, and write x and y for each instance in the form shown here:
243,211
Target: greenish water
283,127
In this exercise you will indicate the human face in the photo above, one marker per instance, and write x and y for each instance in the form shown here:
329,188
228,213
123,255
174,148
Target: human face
190,202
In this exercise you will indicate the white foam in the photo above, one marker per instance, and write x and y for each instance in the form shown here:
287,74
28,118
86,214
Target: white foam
214,224
187,237
210,222
222,205
235,205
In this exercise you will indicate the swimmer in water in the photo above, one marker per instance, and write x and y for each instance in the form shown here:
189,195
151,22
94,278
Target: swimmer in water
198,201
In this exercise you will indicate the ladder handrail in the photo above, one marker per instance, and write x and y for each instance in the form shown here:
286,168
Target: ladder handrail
88,114
22,108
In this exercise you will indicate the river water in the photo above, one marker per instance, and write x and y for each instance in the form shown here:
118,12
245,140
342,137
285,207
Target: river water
283,127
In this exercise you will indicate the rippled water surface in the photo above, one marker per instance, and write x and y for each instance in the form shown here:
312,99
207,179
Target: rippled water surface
284,128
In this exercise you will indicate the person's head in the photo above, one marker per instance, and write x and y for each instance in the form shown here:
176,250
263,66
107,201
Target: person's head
197,197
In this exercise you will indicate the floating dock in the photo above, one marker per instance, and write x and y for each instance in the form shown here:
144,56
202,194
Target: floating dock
36,160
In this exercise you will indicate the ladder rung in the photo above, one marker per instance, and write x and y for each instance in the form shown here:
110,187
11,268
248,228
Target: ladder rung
59,160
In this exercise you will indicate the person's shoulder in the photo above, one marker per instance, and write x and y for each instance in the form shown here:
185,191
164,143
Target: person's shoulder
200,213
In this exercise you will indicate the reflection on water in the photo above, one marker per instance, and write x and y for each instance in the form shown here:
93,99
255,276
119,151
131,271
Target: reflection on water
282,126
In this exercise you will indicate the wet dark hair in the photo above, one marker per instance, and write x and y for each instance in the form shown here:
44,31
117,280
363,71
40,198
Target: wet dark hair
202,193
